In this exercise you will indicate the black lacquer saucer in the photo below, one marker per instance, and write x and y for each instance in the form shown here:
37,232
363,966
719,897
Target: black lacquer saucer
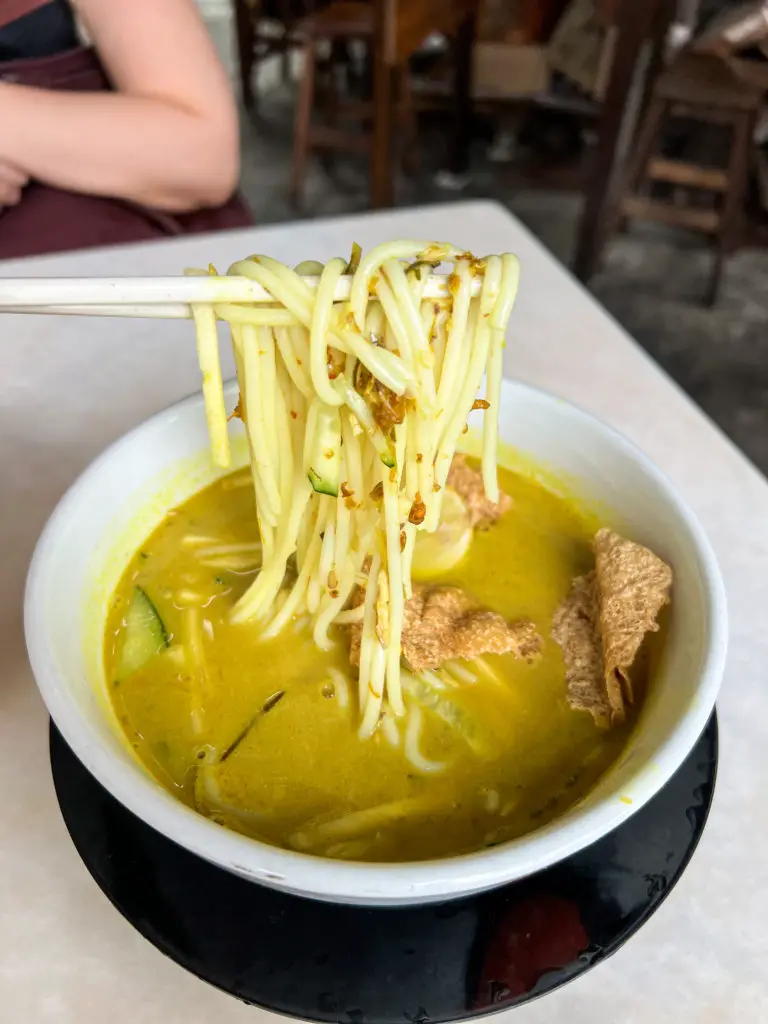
441,962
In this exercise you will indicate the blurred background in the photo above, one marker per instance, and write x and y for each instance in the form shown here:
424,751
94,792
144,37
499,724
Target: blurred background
631,138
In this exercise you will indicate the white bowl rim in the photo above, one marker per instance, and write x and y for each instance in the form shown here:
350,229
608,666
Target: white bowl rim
375,883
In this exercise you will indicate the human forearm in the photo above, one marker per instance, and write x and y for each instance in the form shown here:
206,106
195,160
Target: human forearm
141,148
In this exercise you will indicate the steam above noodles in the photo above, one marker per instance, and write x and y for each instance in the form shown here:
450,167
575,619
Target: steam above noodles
353,411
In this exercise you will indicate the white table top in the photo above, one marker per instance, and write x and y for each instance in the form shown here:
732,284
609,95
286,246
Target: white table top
68,387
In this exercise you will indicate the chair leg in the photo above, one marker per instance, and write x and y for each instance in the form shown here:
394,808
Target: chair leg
245,15
381,142
461,136
303,118
616,117
285,14
410,123
328,106
285,62
647,138
732,213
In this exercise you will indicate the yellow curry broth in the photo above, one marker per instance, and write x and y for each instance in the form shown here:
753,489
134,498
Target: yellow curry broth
528,758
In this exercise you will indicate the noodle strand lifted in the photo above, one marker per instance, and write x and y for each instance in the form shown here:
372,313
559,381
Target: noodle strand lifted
353,411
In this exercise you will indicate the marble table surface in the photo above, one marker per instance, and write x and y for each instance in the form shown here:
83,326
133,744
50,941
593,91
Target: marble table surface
69,386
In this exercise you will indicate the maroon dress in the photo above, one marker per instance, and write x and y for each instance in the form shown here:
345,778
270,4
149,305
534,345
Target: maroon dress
49,219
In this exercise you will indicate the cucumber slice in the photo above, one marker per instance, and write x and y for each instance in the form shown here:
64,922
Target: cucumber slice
322,461
354,259
322,486
145,635
447,710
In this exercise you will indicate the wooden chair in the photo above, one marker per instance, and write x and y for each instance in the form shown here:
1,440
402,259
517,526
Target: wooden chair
705,89
264,28
640,30
341,23
393,30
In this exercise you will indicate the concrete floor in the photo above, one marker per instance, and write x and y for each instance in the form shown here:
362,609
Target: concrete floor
651,280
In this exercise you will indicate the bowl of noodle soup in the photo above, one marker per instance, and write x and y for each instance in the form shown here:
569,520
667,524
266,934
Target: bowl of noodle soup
346,628
125,494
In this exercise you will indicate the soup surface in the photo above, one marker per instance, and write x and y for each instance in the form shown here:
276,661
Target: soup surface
261,735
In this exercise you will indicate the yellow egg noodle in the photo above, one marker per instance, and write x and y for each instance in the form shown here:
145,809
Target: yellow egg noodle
353,410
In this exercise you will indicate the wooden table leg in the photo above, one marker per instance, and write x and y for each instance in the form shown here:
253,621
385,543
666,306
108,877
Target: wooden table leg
636,21
458,157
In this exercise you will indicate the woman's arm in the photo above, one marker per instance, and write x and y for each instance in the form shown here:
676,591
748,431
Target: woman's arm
168,137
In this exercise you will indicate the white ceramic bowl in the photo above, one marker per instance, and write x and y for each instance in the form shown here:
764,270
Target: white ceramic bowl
107,513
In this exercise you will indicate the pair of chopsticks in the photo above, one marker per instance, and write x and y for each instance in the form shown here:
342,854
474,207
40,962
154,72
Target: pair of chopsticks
155,297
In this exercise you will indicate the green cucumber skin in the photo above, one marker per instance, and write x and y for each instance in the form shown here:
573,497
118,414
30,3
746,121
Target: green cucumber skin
145,634
322,486
166,636
323,453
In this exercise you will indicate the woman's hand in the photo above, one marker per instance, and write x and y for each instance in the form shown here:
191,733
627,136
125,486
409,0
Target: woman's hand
12,181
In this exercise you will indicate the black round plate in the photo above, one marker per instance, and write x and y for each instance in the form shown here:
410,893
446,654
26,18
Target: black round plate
441,962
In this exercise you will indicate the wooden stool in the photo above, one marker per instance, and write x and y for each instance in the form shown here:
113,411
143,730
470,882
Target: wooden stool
341,22
700,88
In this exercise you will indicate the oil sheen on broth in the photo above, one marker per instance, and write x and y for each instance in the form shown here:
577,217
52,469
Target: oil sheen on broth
529,755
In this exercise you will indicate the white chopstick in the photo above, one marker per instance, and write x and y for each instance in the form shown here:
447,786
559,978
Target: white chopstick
127,291
96,295
155,311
